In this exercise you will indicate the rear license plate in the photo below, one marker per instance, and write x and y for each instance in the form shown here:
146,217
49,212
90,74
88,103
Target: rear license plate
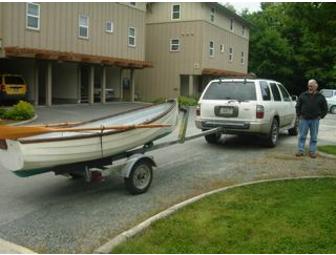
226,110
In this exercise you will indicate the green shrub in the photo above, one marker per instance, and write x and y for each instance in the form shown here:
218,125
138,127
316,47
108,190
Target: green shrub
2,113
21,111
159,100
187,101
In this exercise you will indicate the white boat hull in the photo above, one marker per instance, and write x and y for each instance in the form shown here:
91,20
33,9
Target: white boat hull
26,159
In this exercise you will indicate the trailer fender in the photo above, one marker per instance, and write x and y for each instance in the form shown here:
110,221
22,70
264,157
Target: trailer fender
126,170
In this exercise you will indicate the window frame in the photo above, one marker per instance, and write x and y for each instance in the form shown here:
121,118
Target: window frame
221,48
38,17
83,26
211,49
231,25
132,3
131,36
212,14
172,12
274,88
171,45
284,93
243,30
242,58
112,26
230,54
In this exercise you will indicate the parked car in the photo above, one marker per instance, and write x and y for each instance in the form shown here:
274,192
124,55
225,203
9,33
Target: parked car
246,106
330,95
12,86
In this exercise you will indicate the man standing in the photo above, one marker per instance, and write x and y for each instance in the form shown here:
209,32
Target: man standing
310,108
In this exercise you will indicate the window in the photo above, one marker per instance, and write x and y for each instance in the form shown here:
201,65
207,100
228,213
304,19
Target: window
211,49
265,91
212,14
131,37
33,16
275,92
230,54
83,26
231,24
221,48
109,26
241,91
243,30
242,58
133,3
176,11
174,45
285,94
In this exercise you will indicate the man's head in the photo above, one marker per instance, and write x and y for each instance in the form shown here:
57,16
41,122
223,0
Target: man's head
312,86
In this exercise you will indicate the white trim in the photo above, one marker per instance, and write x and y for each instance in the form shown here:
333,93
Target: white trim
211,49
131,36
112,26
38,16
84,26
171,44
172,12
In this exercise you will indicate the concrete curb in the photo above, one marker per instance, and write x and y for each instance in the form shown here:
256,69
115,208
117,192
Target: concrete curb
124,236
25,121
326,155
11,248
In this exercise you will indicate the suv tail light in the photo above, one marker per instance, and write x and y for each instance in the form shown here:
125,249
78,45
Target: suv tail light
198,110
260,112
2,87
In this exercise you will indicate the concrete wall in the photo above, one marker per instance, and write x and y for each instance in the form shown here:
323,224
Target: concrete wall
59,28
65,82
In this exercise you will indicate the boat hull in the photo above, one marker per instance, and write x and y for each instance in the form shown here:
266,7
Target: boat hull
29,158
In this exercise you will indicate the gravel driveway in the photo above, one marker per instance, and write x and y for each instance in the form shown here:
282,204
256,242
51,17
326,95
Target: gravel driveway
57,215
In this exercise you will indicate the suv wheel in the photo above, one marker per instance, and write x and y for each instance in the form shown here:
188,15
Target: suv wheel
272,137
212,138
294,130
333,109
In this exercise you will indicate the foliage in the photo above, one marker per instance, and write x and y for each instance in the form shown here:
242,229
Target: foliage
294,42
277,217
21,111
159,100
2,112
330,149
187,101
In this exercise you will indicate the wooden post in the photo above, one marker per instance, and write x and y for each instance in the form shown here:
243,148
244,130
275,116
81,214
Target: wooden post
91,85
36,85
191,86
49,84
121,85
132,89
103,86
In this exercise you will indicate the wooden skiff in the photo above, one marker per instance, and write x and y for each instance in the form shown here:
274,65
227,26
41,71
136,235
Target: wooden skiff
41,153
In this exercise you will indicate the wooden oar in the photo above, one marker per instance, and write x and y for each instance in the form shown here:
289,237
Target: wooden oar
15,132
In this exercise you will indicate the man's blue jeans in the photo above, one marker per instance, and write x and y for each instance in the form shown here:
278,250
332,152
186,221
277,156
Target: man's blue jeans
304,126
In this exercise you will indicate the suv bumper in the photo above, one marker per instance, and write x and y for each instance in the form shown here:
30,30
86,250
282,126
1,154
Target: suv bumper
234,127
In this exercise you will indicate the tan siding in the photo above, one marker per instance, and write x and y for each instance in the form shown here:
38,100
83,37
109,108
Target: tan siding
221,60
164,78
59,28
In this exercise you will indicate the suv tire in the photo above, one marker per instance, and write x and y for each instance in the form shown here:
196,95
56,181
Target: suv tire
212,138
294,130
272,138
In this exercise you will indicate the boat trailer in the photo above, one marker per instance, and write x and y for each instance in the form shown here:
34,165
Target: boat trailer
133,165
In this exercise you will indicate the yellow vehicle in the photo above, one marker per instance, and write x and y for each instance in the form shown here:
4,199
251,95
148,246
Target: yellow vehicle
12,86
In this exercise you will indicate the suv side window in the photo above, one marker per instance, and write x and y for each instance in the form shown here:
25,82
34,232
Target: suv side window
275,92
284,93
265,91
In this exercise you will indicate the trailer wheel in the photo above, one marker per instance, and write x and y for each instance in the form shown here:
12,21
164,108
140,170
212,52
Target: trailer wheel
140,177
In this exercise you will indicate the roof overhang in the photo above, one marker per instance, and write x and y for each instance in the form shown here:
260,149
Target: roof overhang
221,72
74,57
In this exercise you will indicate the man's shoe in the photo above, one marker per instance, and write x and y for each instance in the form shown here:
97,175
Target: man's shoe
312,154
299,154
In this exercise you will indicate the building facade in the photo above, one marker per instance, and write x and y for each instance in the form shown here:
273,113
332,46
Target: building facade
74,52
190,44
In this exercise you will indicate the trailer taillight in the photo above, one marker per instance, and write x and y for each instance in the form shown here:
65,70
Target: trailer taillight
260,112
198,110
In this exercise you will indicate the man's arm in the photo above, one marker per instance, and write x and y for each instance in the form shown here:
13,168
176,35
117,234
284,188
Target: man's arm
324,107
298,106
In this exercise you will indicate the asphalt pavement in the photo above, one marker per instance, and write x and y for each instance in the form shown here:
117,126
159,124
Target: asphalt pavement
54,214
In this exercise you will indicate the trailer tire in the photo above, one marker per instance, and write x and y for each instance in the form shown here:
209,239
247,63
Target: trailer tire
140,177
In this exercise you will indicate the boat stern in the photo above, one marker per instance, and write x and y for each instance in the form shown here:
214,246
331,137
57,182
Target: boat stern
11,157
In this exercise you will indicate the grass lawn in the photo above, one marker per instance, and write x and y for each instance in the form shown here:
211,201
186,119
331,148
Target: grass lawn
297,216
331,149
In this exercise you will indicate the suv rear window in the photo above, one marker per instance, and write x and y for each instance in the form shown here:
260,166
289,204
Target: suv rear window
13,80
231,90
327,93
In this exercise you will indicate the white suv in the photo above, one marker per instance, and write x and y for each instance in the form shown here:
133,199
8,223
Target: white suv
330,95
246,106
